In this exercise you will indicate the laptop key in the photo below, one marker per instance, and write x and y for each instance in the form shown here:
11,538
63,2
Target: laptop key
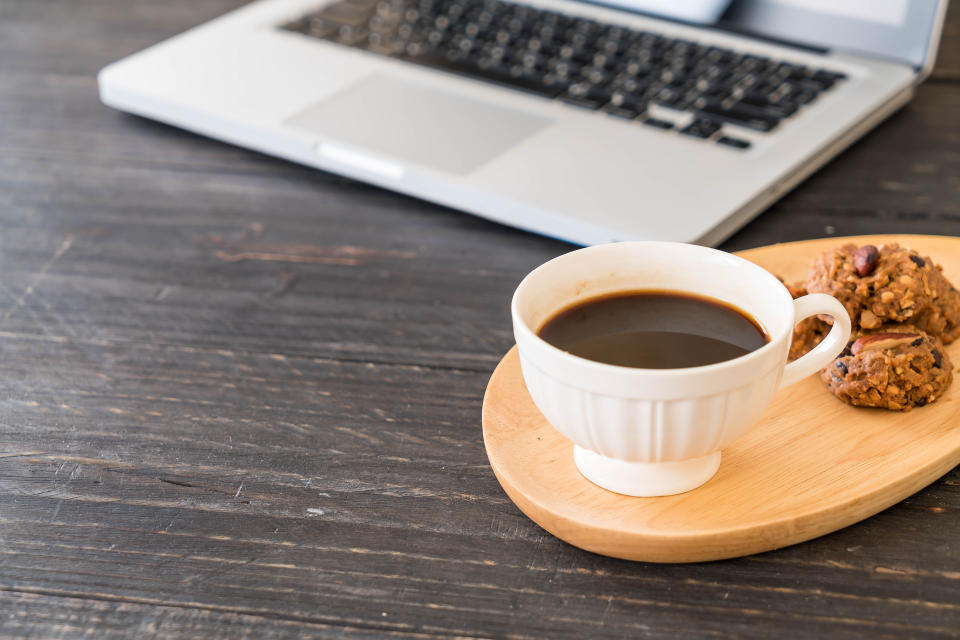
624,112
802,96
832,76
701,128
736,143
658,123
740,115
763,105
816,84
629,102
583,101
755,63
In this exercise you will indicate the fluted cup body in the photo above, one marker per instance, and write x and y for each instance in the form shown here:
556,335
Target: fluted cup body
629,423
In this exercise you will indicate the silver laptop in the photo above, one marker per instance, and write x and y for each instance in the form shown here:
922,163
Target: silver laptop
631,119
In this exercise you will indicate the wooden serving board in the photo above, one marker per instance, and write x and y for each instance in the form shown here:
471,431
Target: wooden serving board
811,466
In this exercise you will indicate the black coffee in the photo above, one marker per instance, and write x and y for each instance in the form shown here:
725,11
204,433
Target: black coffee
654,330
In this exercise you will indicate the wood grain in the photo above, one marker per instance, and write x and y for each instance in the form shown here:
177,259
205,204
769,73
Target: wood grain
168,417
810,466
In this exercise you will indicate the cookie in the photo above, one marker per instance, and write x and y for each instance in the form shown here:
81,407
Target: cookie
888,285
898,368
796,289
808,332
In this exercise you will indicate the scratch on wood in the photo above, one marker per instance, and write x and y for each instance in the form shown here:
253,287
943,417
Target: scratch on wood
285,280
199,579
176,482
172,520
386,418
163,292
56,511
244,247
45,492
62,249
606,610
115,464
239,489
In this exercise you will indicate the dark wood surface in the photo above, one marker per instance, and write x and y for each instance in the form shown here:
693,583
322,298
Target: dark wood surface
240,398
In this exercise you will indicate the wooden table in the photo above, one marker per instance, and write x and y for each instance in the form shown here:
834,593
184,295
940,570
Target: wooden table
241,398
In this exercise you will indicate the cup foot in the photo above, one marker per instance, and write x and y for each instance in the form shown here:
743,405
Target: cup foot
645,479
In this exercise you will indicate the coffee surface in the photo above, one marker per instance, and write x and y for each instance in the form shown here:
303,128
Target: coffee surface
654,330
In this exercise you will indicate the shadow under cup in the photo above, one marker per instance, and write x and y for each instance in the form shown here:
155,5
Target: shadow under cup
649,432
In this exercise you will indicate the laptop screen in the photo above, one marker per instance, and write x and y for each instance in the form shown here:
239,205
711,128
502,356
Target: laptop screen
894,29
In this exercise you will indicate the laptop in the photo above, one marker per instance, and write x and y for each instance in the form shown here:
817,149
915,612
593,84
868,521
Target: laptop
587,121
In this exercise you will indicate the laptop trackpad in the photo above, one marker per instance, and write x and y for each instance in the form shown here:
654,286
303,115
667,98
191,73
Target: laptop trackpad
412,122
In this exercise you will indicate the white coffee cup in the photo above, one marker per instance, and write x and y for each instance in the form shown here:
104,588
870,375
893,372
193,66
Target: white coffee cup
653,432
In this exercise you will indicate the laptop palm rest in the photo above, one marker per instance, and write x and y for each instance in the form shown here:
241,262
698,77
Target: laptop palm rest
410,122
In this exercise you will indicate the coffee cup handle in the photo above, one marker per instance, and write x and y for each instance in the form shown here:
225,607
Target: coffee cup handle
829,348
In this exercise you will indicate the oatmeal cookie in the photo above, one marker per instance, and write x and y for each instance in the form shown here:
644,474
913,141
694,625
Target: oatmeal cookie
808,332
897,368
888,285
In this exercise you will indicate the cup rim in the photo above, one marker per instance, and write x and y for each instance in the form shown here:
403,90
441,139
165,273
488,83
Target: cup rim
601,367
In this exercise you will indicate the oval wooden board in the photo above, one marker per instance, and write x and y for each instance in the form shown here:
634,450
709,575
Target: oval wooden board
811,466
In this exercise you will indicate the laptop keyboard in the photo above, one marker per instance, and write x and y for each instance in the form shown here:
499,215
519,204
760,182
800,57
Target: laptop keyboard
585,63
